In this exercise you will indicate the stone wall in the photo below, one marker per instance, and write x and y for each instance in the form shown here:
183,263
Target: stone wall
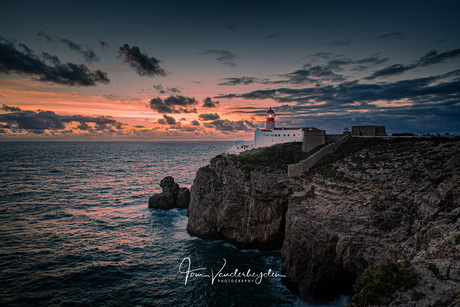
368,131
295,170
313,138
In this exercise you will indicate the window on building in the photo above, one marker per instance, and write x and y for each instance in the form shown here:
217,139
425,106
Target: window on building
285,135
288,134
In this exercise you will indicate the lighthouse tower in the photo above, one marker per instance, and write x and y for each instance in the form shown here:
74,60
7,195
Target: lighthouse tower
270,123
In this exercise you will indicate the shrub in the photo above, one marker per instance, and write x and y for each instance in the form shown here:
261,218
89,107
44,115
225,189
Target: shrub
382,280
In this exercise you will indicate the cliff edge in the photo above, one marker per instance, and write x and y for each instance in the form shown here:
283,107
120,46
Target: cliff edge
373,200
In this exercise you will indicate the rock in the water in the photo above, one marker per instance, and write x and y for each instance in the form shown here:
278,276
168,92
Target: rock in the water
183,198
171,197
168,185
163,201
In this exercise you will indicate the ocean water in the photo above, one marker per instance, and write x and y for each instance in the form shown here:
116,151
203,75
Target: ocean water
75,230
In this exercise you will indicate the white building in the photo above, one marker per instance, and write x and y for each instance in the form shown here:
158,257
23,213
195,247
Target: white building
272,135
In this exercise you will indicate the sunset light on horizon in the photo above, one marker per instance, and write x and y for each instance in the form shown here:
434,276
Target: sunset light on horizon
181,70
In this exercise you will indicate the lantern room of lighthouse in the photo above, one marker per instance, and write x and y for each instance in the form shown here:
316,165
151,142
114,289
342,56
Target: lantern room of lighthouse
270,123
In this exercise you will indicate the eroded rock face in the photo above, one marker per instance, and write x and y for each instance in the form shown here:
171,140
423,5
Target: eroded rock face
171,197
245,209
399,200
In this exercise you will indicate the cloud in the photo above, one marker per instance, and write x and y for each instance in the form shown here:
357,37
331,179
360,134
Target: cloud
167,120
335,43
433,57
22,60
230,26
173,104
225,57
208,103
227,125
242,80
322,55
271,36
391,70
171,90
208,116
310,75
195,123
398,35
104,45
433,89
286,108
32,120
9,109
337,64
87,53
141,62
428,59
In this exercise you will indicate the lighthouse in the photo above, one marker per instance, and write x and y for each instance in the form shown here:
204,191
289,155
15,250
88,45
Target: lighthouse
270,123
272,135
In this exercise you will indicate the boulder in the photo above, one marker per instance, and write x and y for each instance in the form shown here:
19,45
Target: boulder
171,197
163,201
183,198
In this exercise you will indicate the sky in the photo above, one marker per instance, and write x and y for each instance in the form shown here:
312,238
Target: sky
210,70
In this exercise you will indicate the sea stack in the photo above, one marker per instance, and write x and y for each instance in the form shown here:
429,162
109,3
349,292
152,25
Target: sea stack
172,196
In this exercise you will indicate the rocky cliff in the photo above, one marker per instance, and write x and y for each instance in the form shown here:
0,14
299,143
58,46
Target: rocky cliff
244,208
372,199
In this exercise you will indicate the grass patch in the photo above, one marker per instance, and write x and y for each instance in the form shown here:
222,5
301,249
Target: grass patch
382,280
278,156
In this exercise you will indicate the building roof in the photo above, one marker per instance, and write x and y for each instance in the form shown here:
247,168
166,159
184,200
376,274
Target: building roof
270,110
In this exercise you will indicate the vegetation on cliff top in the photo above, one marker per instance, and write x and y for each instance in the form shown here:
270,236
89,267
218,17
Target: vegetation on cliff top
356,145
278,156
382,280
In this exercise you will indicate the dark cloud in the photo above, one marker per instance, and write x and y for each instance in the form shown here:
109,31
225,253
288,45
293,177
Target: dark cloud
197,82
337,64
350,95
167,120
310,75
398,35
227,125
428,59
31,120
141,62
335,43
286,108
439,41
171,90
173,104
195,123
242,80
392,70
87,53
225,57
208,116
10,109
433,57
22,60
208,103
322,55
230,26
104,45
271,36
